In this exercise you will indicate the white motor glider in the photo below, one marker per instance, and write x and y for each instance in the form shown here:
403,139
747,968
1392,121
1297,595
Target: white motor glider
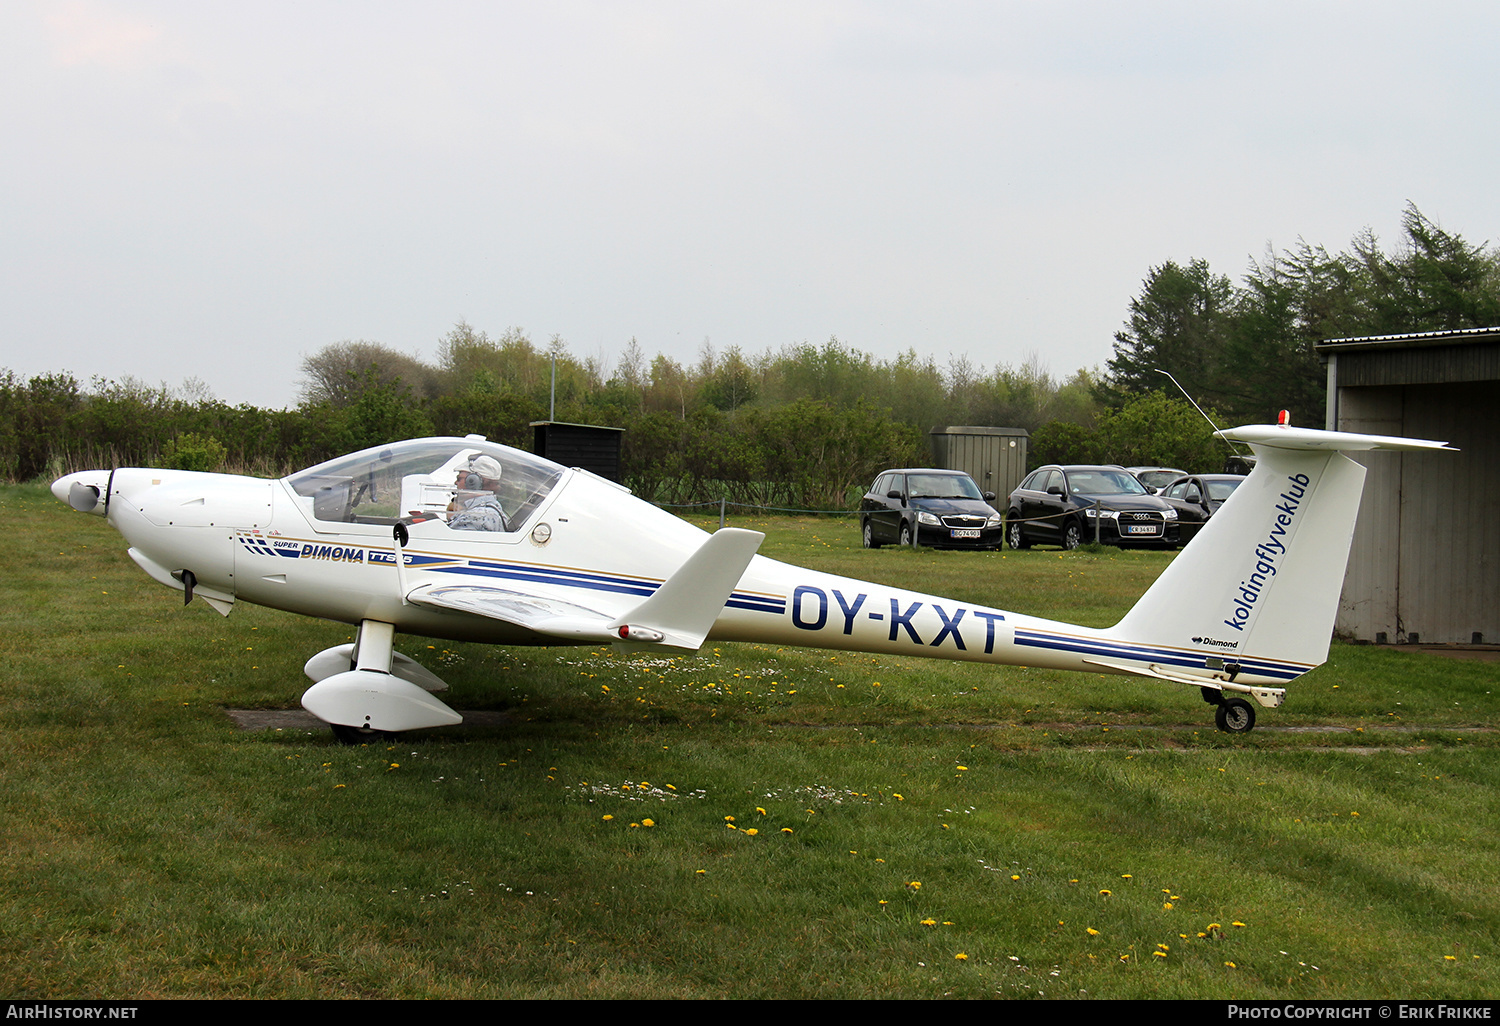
572,559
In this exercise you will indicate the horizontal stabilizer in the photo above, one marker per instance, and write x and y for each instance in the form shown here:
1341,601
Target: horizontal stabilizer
1284,436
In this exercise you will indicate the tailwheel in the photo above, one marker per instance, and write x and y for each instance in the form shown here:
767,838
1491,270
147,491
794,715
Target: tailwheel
1235,716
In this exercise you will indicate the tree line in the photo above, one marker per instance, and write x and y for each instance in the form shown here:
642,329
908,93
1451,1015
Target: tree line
1248,350
806,425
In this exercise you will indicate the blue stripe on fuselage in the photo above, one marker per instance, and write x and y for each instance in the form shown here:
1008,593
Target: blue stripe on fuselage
1148,653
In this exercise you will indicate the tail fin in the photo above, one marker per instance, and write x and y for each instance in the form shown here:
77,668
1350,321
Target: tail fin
1259,585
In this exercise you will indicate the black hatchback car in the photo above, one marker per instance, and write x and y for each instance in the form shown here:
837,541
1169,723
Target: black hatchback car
946,507
1062,506
1198,497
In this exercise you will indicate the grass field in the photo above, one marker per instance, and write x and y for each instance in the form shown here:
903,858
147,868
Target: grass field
743,822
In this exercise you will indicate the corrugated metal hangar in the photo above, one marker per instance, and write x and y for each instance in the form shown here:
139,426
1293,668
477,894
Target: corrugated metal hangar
1425,566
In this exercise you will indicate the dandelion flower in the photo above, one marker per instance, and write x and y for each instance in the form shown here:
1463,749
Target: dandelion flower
1106,892
915,885
752,832
648,822
608,817
786,830
760,810
1093,932
961,957
929,922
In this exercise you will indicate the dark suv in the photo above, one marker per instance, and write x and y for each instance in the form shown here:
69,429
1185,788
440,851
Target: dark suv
1063,505
946,507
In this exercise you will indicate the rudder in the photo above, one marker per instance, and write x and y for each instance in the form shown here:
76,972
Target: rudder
1259,585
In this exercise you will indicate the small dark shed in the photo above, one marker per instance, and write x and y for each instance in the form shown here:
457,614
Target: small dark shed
595,449
995,457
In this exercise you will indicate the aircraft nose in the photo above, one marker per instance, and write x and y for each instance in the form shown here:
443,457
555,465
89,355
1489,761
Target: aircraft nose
84,491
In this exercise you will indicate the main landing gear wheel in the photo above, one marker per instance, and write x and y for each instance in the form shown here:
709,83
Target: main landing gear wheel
356,735
1235,716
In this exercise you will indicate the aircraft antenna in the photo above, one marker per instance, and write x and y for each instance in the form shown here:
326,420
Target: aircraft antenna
1205,416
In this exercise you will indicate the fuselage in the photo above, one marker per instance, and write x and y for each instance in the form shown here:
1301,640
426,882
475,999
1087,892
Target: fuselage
587,542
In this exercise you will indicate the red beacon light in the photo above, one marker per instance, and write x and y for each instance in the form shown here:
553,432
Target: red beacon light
1284,419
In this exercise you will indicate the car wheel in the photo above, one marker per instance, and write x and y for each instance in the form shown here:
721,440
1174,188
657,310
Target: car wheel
1235,716
1015,533
1072,535
905,534
870,542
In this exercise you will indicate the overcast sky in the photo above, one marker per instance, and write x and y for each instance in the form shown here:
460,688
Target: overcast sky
217,190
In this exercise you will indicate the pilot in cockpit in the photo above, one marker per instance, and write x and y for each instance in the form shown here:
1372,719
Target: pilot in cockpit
476,504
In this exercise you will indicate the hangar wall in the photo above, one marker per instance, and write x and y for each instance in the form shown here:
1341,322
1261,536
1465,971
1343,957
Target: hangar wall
1425,562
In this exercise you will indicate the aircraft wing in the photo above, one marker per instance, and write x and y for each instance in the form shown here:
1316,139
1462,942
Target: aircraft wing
547,616
679,614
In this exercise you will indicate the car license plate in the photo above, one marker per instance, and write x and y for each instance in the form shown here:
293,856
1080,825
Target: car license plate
1140,529
963,533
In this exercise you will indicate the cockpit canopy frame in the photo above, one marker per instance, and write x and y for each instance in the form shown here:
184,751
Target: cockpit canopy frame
416,480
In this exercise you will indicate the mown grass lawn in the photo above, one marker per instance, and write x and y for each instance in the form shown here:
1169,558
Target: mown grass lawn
743,822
